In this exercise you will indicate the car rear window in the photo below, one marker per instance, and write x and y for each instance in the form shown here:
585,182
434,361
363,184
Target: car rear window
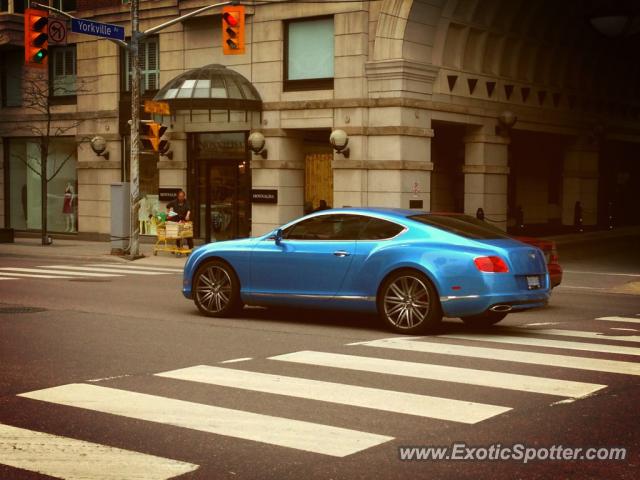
462,225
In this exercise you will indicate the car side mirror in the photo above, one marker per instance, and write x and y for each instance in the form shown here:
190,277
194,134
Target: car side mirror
278,236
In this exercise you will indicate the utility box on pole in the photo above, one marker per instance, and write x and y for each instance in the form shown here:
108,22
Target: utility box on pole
120,217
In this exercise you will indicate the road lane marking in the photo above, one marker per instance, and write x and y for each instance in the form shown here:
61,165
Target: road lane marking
483,378
236,360
543,342
18,276
105,270
137,267
614,274
296,434
620,319
29,275
517,356
374,398
72,459
49,271
579,334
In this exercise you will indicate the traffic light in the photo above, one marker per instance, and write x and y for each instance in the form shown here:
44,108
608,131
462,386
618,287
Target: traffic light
233,30
151,136
36,37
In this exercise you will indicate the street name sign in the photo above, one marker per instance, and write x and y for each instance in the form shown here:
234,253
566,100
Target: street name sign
97,29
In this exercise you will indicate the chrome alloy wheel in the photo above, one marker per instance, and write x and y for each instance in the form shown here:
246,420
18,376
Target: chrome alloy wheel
213,289
406,302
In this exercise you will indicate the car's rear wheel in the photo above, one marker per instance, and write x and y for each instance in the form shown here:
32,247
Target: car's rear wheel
216,289
408,303
485,319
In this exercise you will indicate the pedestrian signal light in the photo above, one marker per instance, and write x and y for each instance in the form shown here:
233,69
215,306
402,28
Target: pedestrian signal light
36,37
151,134
233,30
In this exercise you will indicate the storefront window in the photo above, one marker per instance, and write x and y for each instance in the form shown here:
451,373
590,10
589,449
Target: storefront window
25,185
149,179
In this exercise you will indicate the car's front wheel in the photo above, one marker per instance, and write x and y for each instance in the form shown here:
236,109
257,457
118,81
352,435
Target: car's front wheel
408,303
485,319
216,289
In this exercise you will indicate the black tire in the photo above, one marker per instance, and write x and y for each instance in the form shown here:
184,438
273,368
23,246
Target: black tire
484,319
216,289
413,312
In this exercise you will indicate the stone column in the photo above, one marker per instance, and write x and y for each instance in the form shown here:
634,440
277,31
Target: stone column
485,176
283,171
580,181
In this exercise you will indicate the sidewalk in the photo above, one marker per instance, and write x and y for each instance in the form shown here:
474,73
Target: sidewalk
85,251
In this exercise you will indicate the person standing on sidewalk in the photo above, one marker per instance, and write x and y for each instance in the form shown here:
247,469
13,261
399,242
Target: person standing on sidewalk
183,214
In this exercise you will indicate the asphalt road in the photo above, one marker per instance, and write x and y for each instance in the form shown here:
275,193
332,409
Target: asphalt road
75,363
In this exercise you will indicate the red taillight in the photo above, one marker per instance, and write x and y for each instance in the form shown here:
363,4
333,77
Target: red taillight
491,264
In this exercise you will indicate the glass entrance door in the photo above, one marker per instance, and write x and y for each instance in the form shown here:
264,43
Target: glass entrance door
224,194
222,184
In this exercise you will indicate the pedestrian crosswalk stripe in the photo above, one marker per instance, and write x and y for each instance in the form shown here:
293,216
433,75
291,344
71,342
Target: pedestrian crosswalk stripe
483,378
18,276
620,319
52,271
296,434
72,459
104,270
386,400
580,334
517,356
543,342
137,267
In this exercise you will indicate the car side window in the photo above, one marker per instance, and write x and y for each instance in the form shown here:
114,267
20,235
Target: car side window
377,229
326,227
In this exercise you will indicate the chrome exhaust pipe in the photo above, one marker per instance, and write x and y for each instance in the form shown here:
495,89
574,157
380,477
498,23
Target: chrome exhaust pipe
501,308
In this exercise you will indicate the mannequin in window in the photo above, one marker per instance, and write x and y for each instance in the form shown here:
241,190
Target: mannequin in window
68,209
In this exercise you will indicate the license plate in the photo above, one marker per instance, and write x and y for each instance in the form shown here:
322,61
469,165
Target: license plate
533,282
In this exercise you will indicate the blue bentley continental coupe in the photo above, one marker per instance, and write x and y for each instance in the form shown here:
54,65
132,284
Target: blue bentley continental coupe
409,266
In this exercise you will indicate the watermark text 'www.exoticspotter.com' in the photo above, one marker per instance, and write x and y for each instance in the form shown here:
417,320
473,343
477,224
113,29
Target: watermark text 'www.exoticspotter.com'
518,452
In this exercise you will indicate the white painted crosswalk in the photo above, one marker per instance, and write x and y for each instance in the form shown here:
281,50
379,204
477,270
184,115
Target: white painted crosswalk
285,432
72,459
543,342
444,373
375,398
329,437
620,319
77,271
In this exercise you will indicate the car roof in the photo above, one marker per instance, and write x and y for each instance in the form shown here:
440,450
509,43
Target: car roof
389,212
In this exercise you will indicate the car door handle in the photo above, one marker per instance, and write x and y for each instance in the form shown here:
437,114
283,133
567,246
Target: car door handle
341,253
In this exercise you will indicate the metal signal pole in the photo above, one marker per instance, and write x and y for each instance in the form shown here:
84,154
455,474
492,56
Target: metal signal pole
134,161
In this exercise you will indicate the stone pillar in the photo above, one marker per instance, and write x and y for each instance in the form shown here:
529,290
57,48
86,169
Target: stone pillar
485,176
389,163
580,181
283,171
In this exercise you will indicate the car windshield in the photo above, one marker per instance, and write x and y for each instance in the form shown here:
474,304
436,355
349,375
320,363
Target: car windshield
462,225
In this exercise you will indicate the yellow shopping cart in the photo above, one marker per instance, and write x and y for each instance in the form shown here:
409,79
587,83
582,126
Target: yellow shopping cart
168,234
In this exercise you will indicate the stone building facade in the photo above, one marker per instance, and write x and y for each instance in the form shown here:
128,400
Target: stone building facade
449,105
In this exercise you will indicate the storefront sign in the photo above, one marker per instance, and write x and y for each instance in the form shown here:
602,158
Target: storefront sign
166,195
223,145
264,196
161,108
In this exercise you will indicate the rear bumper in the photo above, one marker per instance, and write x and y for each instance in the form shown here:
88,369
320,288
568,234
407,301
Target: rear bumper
462,306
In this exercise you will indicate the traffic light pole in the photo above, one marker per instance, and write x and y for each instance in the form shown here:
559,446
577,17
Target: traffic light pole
133,48
134,161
